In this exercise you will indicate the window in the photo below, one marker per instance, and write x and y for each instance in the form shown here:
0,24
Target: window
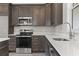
75,17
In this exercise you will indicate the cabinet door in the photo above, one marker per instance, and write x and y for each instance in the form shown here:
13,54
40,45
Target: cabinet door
42,16
25,11
37,44
48,14
38,15
57,13
12,43
36,11
15,15
4,9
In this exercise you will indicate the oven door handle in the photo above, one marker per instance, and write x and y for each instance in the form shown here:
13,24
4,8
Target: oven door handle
23,36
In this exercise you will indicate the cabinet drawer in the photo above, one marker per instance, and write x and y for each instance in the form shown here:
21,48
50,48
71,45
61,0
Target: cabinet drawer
3,43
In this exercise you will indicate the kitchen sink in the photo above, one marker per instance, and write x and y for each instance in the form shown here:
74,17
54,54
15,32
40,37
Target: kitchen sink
60,39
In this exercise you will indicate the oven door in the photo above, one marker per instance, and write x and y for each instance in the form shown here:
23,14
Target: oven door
23,42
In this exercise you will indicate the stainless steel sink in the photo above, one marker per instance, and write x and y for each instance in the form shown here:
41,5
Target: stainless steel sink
60,39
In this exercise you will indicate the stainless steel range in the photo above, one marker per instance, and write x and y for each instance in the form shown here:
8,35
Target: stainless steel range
24,41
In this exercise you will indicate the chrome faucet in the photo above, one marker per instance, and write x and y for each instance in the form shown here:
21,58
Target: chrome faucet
70,32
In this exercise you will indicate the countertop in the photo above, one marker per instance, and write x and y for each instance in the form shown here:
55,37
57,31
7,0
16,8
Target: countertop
4,39
64,48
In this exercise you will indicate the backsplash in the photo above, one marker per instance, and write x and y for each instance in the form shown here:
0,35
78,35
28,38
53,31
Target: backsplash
62,30
48,29
44,29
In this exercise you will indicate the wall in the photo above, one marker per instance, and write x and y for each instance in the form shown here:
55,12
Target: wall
3,26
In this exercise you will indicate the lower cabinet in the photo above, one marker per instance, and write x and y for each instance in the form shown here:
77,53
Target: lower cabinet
4,49
12,44
41,44
37,43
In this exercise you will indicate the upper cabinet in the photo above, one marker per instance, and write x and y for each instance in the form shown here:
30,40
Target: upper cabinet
4,7
38,15
48,13
14,15
25,11
57,14
42,14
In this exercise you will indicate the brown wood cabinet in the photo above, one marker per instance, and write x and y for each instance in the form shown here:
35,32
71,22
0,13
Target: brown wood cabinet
15,15
42,15
39,15
25,11
57,13
4,9
48,13
4,50
12,43
39,43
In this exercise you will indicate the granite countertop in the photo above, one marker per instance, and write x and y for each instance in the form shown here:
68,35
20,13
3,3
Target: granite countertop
4,39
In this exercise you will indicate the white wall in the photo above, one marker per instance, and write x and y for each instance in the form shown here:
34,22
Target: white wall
3,26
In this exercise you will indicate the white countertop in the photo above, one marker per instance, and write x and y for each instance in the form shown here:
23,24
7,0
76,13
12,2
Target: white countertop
64,48
4,39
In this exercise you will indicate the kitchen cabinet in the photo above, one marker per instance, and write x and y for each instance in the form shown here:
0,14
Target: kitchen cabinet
42,15
48,13
15,15
57,13
4,50
4,9
38,15
37,43
41,44
12,44
25,11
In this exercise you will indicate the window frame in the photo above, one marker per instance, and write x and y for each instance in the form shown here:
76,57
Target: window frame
74,6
